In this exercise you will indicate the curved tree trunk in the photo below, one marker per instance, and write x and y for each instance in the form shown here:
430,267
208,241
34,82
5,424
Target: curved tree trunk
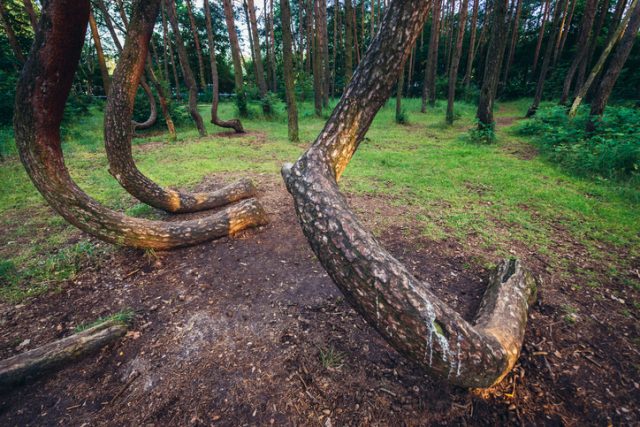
287,59
234,124
403,309
118,137
620,55
42,93
187,73
241,97
196,38
455,60
153,110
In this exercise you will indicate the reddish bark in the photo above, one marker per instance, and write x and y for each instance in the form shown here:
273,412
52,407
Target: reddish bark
241,97
287,59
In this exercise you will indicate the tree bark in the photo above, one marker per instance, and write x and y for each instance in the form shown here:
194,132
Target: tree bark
196,39
33,17
42,92
403,309
472,44
492,65
432,57
42,360
262,84
536,55
11,35
348,42
565,32
241,97
167,43
164,104
582,46
234,124
187,73
287,59
455,60
318,84
593,42
104,72
514,41
620,55
546,61
626,32
399,89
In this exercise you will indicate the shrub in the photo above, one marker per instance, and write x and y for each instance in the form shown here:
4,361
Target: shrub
483,134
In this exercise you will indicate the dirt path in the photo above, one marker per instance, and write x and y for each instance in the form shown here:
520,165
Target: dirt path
251,331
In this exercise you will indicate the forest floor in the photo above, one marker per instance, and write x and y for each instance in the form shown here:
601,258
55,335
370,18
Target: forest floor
249,330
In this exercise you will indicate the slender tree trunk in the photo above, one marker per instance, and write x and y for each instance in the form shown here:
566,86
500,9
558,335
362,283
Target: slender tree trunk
432,57
33,17
165,49
514,41
267,44
472,45
11,35
272,58
399,89
287,66
561,31
326,75
164,104
167,43
565,31
620,55
399,306
262,84
187,73
455,60
536,55
334,51
582,47
546,61
196,39
634,10
241,97
317,58
593,43
348,43
234,124
42,92
354,26
104,72
492,65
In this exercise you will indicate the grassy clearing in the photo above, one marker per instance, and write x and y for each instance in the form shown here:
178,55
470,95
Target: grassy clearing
486,196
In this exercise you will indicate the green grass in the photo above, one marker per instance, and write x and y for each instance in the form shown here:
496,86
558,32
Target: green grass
124,316
480,195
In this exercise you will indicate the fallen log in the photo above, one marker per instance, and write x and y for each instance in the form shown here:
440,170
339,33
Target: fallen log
39,361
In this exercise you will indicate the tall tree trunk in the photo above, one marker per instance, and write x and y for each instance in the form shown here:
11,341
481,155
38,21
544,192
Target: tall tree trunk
164,104
317,58
167,43
399,89
455,60
492,65
42,92
536,55
399,306
267,44
634,10
582,45
334,51
429,90
33,18
187,73
593,42
234,124
262,84
241,97
104,72
354,26
472,44
561,31
620,55
287,66
514,41
326,75
546,61
348,42
196,39
565,32
11,35
165,48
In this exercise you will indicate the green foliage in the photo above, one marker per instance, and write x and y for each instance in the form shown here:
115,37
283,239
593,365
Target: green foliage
331,358
124,316
483,134
402,118
611,151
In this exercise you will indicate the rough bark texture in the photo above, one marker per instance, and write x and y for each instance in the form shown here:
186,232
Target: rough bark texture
455,60
492,65
42,92
104,72
582,47
400,307
11,35
37,362
633,11
620,55
241,97
287,59
234,124
187,73
196,39
546,61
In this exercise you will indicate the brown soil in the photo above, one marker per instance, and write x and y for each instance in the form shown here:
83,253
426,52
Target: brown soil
251,331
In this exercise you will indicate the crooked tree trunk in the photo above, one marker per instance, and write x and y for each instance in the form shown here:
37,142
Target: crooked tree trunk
492,66
42,92
42,360
403,309
287,59
11,35
455,60
241,97
153,110
620,55
104,72
33,17
234,124
582,47
546,61
196,39
187,73
118,135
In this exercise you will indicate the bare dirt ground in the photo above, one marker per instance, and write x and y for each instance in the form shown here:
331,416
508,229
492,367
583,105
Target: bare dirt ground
250,330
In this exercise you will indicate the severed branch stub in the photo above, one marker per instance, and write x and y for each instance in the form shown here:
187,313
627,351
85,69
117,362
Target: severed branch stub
42,360
402,308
